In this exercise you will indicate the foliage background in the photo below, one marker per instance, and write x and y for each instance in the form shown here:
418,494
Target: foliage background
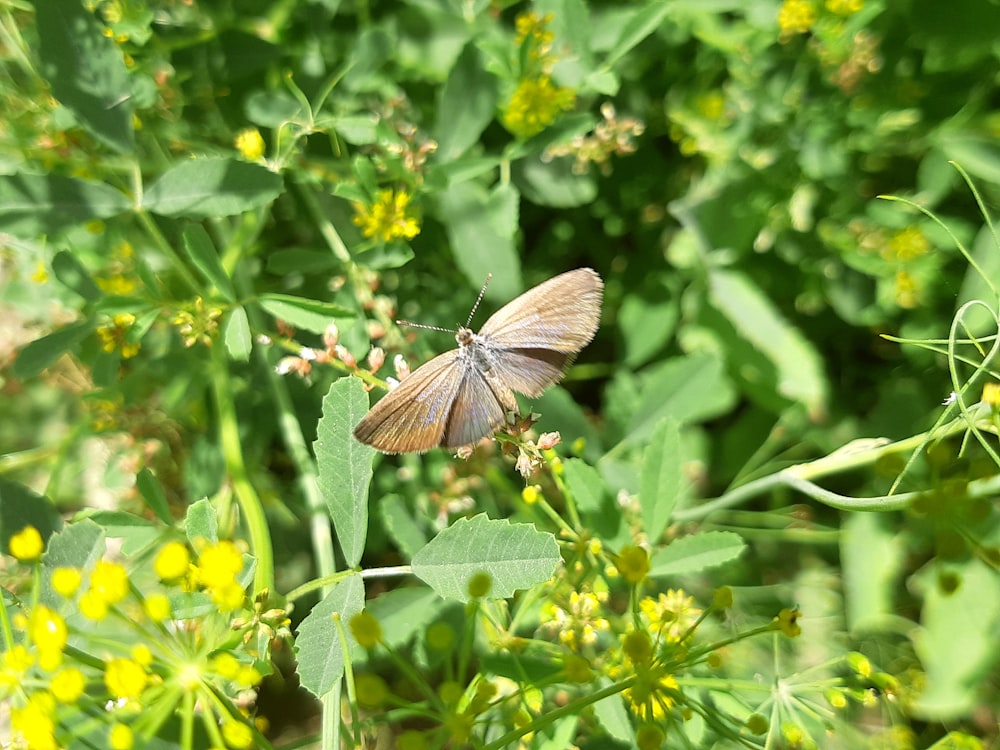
410,148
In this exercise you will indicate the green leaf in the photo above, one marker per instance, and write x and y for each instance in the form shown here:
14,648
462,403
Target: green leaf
404,613
201,250
400,525
642,340
554,183
514,556
271,109
358,130
689,554
467,104
686,388
585,485
318,645
307,314
212,187
871,558
239,342
86,71
78,545
345,465
41,353
20,507
644,22
799,367
300,260
136,532
481,233
613,716
201,522
152,492
956,640
661,479
74,275
35,205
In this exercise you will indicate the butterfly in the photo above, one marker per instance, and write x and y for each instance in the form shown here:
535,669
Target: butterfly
461,396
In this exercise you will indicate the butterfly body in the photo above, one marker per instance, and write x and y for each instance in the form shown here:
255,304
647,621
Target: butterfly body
462,395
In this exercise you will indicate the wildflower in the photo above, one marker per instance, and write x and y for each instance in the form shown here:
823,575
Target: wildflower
787,622
906,290
533,28
47,630
534,105
66,581
16,662
250,144
93,606
116,334
907,244
67,685
633,564
125,678
671,614
237,735
248,677
845,7
611,136
653,691
172,561
41,274
109,581
388,218
27,545
581,622
120,737
577,669
225,665
157,607
219,564
199,324
796,17
33,724
531,494
365,629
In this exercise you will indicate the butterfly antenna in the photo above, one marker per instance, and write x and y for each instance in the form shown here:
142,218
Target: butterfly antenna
421,325
479,298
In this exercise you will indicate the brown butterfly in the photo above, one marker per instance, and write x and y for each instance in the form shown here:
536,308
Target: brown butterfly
462,396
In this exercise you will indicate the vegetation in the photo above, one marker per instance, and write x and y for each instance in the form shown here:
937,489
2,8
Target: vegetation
744,519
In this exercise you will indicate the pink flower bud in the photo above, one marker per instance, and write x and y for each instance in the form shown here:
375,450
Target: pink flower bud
549,440
376,358
345,356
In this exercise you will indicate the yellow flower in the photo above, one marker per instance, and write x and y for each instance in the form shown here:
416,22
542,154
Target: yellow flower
219,564
120,737
117,284
115,335
40,274
248,676
237,735
845,7
157,607
16,662
125,678
66,581
388,218
228,597
250,144
67,685
796,17
47,631
93,606
226,665
671,614
109,581
33,723
534,105
531,494
172,561
906,290
198,325
27,545
907,244
788,622
633,564
142,654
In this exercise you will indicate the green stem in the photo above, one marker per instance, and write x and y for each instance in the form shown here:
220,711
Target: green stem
246,495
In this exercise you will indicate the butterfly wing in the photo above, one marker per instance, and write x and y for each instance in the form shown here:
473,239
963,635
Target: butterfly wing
478,408
534,338
412,417
561,314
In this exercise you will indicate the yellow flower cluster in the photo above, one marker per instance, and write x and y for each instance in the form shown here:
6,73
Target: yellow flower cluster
200,324
796,17
388,218
250,144
115,335
43,680
670,615
580,622
536,101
